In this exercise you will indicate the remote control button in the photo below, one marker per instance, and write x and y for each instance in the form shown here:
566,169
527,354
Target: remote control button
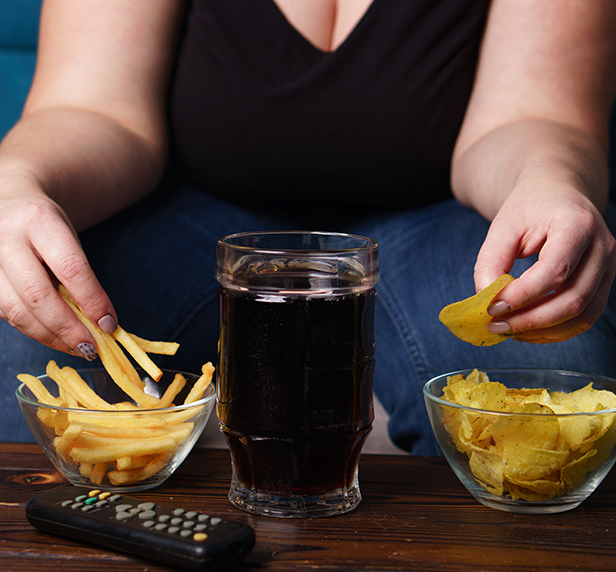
93,493
135,510
87,508
66,502
80,498
176,521
179,511
146,505
185,533
91,500
164,518
149,524
124,515
160,526
203,517
101,503
147,514
190,515
104,495
77,505
200,527
215,520
115,498
188,524
200,536
123,507
172,529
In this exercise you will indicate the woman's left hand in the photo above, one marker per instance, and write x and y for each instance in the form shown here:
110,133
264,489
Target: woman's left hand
566,290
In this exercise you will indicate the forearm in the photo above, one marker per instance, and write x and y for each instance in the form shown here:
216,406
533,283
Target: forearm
550,154
89,164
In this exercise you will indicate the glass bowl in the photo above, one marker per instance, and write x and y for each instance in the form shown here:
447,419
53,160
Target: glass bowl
121,450
533,460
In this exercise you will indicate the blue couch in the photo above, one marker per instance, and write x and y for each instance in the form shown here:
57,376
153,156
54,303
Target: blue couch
19,21
18,38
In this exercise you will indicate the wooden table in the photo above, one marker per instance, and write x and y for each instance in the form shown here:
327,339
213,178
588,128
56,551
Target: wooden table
415,516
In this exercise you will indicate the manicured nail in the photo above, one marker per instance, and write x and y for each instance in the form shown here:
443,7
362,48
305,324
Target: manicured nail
86,350
108,324
499,328
498,308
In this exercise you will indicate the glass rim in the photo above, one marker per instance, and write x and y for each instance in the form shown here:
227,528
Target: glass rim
175,408
369,243
427,391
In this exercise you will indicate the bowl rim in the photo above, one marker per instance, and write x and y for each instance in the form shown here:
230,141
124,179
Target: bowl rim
433,398
203,401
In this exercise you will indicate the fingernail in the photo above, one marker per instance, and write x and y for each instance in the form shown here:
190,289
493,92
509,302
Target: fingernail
86,350
498,308
499,328
108,324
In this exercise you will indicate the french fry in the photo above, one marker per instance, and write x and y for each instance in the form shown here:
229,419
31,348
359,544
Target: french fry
98,473
47,417
136,475
69,380
85,469
67,398
161,348
201,384
120,377
122,361
139,355
125,406
127,463
122,421
35,385
61,421
96,436
178,383
111,452
70,433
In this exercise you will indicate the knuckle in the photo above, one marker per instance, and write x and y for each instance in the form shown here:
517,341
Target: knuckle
559,270
575,306
34,295
15,314
586,220
70,266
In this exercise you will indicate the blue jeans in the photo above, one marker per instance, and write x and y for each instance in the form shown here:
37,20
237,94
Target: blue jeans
156,261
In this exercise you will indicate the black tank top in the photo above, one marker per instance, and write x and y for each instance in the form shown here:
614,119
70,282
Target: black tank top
259,114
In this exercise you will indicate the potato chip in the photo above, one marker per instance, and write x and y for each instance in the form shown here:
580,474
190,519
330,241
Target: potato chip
469,319
530,451
488,468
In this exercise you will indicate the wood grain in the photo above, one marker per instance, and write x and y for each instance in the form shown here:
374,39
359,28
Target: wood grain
415,515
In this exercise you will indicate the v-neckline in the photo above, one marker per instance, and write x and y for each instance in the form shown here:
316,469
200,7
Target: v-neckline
309,43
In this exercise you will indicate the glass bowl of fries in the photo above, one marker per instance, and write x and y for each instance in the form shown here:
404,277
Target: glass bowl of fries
97,436
525,440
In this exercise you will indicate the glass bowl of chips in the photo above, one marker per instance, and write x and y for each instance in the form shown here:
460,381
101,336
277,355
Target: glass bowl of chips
525,440
97,436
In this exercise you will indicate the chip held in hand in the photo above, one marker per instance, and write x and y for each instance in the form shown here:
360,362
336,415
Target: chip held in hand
468,319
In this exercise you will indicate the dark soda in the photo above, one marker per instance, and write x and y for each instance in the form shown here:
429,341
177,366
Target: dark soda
295,401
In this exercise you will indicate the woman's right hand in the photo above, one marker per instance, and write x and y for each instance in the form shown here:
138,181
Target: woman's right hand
38,249
91,141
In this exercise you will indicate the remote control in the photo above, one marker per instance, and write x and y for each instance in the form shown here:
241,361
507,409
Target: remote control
184,538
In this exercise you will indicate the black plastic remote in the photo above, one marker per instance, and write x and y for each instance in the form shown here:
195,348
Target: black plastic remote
183,538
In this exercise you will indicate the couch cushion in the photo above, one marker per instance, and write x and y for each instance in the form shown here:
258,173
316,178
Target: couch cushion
18,39
19,23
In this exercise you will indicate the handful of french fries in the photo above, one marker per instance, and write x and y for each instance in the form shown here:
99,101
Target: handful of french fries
104,441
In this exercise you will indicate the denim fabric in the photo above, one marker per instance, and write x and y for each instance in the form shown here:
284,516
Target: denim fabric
156,261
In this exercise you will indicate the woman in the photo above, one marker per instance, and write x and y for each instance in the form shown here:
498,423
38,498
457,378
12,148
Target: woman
349,115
